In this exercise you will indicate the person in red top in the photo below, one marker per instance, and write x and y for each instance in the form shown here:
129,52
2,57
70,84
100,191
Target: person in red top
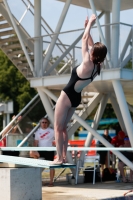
118,140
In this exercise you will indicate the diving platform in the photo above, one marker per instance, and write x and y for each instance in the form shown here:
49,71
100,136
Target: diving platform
33,162
101,84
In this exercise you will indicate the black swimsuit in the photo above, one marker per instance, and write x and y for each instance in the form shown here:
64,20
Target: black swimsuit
75,97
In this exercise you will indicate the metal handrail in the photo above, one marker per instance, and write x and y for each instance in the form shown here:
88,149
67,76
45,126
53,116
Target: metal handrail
10,124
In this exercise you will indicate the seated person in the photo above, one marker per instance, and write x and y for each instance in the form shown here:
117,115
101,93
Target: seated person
128,155
44,137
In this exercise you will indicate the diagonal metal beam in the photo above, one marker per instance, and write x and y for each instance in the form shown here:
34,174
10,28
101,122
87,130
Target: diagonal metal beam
104,141
95,123
68,50
125,61
117,111
100,31
123,108
125,47
58,28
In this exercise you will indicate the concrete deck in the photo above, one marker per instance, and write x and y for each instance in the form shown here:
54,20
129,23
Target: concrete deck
87,191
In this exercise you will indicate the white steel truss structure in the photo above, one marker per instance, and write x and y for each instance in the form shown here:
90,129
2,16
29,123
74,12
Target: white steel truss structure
115,83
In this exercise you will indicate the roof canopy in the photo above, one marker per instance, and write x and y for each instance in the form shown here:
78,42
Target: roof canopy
104,5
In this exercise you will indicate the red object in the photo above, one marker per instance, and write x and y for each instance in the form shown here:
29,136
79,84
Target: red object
80,143
3,143
121,134
116,142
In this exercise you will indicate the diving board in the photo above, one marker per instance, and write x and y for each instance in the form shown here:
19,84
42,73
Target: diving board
33,162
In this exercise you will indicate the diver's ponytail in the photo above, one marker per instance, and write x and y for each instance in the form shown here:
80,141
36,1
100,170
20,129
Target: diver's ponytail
98,68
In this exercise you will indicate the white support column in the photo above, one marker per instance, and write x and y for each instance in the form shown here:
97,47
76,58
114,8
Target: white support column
57,30
46,105
115,32
95,123
19,36
132,47
104,141
116,108
100,31
4,120
38,44
124,109
7,118
107,33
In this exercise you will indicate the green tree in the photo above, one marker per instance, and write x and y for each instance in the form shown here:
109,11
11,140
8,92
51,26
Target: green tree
15,87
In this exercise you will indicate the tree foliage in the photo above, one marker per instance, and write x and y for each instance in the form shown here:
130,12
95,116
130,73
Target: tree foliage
15,87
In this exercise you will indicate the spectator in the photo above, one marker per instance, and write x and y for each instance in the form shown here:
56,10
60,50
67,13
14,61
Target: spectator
103,154
28,128
128,155
13,130
44,137
118,140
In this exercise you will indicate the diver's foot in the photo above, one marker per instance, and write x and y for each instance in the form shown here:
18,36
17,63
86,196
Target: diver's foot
56,162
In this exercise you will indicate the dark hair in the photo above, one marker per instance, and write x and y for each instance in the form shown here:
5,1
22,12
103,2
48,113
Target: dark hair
99,54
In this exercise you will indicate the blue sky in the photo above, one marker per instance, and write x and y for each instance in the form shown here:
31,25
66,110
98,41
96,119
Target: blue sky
51,11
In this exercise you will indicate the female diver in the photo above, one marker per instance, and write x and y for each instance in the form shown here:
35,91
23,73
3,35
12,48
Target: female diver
70,96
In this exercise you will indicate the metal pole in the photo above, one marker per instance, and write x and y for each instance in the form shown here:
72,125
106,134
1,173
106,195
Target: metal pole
20,113
125,47
4,120
27,8
27,137
124,108
132,47
38,44
116,108
73,65
58,28
50,94
107,33
7,118
64,54
100,31
95,124
46,105
68,50
115,32
104,141
19,37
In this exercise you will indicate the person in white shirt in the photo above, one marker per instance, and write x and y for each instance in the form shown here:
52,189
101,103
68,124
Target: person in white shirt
44,137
